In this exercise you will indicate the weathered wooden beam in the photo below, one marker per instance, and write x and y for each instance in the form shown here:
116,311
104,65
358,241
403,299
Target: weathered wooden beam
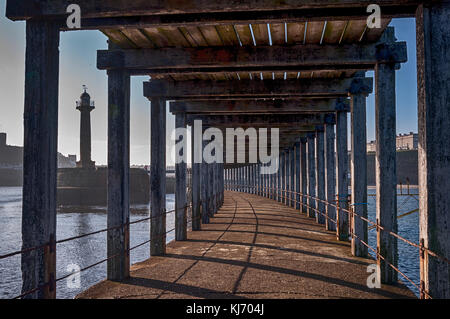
359,174
297,175
342,175
330,175
142,13
278,106
257,120
196,182
311,167
292,176
433,46
200,89
180,184
386,175
40,159
239,59
320,175
303,174
158,177
118,240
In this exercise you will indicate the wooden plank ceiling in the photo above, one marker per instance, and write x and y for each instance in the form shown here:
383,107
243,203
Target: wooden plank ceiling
315,32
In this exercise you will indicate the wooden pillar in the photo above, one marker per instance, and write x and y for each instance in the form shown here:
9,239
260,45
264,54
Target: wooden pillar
279,177
297,175
180,184
311,175
210,189
342,175
330,173
196,148
214,187
118,240
204,188
385,164
320,176
292,177
303,174
286,177
158,177
40,157
283,176
433,47
359,173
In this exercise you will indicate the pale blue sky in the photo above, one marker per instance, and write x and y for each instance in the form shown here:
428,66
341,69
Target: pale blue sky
78,67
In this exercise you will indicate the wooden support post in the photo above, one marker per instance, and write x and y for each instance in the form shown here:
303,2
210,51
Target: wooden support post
303,174
283,177
342,175
297,176
40,158
311,175
433,47
196,148
204,188
158,177
210,189
330,175
118,240
181,185
214,188
386,177
291,177
280,159
359,173
320,176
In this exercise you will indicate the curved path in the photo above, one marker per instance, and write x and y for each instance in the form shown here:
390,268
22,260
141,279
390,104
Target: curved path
253,247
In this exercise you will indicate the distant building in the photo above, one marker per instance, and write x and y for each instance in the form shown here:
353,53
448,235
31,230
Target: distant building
371,147
403,142
408,141
12,156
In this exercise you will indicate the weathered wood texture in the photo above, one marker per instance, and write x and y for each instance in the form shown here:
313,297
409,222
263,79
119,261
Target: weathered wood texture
297,175
320,176
196,182
304,174
342,175
330,175
311,175
292,177
385,168
204,188
20,10
433,46
259,58
40,155
247,88
118,240
181,184
359,174
158,177
278,106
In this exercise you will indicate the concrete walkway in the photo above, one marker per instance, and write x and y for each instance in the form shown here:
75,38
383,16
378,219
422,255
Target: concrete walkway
253,248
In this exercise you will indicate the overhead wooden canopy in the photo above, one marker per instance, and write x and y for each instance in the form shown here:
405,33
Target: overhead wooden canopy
253,57
203,11
278,106
198,89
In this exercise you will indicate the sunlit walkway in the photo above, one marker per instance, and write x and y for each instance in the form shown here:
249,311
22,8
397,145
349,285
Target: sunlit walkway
253,248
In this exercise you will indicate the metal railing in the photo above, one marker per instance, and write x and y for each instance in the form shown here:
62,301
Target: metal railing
287,196
50,247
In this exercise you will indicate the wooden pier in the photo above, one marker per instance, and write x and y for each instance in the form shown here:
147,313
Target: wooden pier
294,66
252,248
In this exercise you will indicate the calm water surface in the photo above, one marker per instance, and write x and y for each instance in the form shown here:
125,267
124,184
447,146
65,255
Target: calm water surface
86,251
